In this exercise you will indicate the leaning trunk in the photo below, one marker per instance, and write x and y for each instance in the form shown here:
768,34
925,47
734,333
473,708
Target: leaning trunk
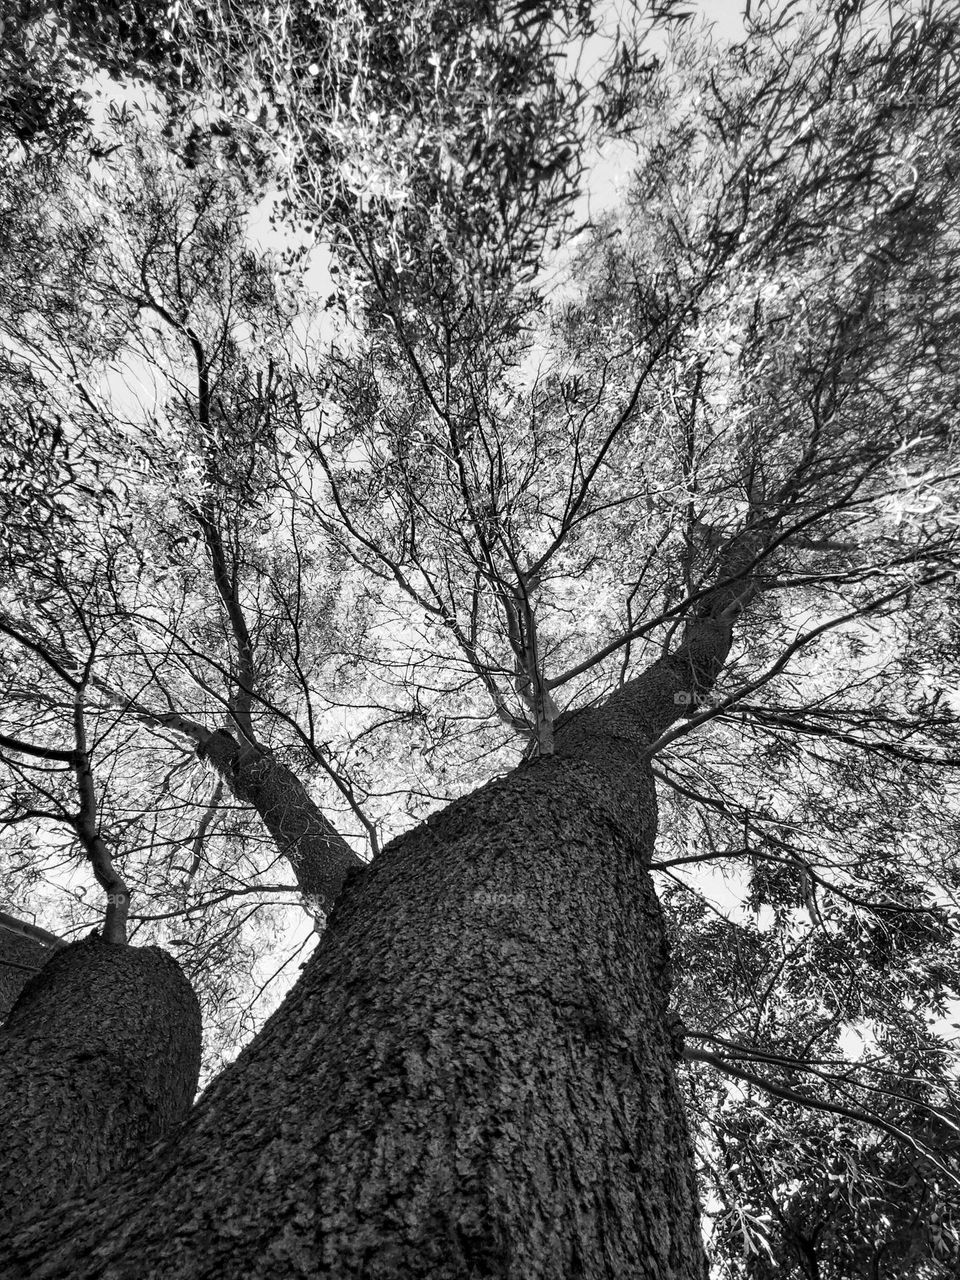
474,1075
472,1078
99,1056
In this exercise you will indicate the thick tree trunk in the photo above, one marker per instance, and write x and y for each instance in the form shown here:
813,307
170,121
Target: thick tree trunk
473,1076
99,1056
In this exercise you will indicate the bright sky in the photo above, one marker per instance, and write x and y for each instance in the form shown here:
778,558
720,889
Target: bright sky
727,15
610,170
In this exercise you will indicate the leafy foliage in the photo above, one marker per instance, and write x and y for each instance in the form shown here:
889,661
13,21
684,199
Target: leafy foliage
391,530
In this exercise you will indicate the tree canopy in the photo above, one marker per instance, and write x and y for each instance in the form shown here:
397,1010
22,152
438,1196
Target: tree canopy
357,442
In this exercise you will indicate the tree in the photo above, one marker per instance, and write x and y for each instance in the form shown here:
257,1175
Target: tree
475,1073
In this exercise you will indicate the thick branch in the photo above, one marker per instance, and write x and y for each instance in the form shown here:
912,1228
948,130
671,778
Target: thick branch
31,749
318,854
226,585
804,638
644,707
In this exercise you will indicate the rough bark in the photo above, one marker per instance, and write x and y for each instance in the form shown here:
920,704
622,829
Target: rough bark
318,855
99,1056
24,950
472,1078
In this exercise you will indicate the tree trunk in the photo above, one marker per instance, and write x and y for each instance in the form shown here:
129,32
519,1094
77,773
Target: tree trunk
24,950
472,1078
474,1075
99,1056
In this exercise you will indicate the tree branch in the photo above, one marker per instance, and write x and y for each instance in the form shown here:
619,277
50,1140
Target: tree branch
88,831
816,1104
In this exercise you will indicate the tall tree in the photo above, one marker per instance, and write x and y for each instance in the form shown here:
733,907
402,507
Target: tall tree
747,389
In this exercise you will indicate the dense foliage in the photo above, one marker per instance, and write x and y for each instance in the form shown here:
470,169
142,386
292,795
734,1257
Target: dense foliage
332,420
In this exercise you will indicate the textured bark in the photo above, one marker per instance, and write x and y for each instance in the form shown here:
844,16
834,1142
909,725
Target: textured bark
474,1075
317,853
24,950
99,1056
472,1078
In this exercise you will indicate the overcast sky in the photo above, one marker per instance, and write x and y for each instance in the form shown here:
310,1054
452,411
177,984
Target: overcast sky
727,14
